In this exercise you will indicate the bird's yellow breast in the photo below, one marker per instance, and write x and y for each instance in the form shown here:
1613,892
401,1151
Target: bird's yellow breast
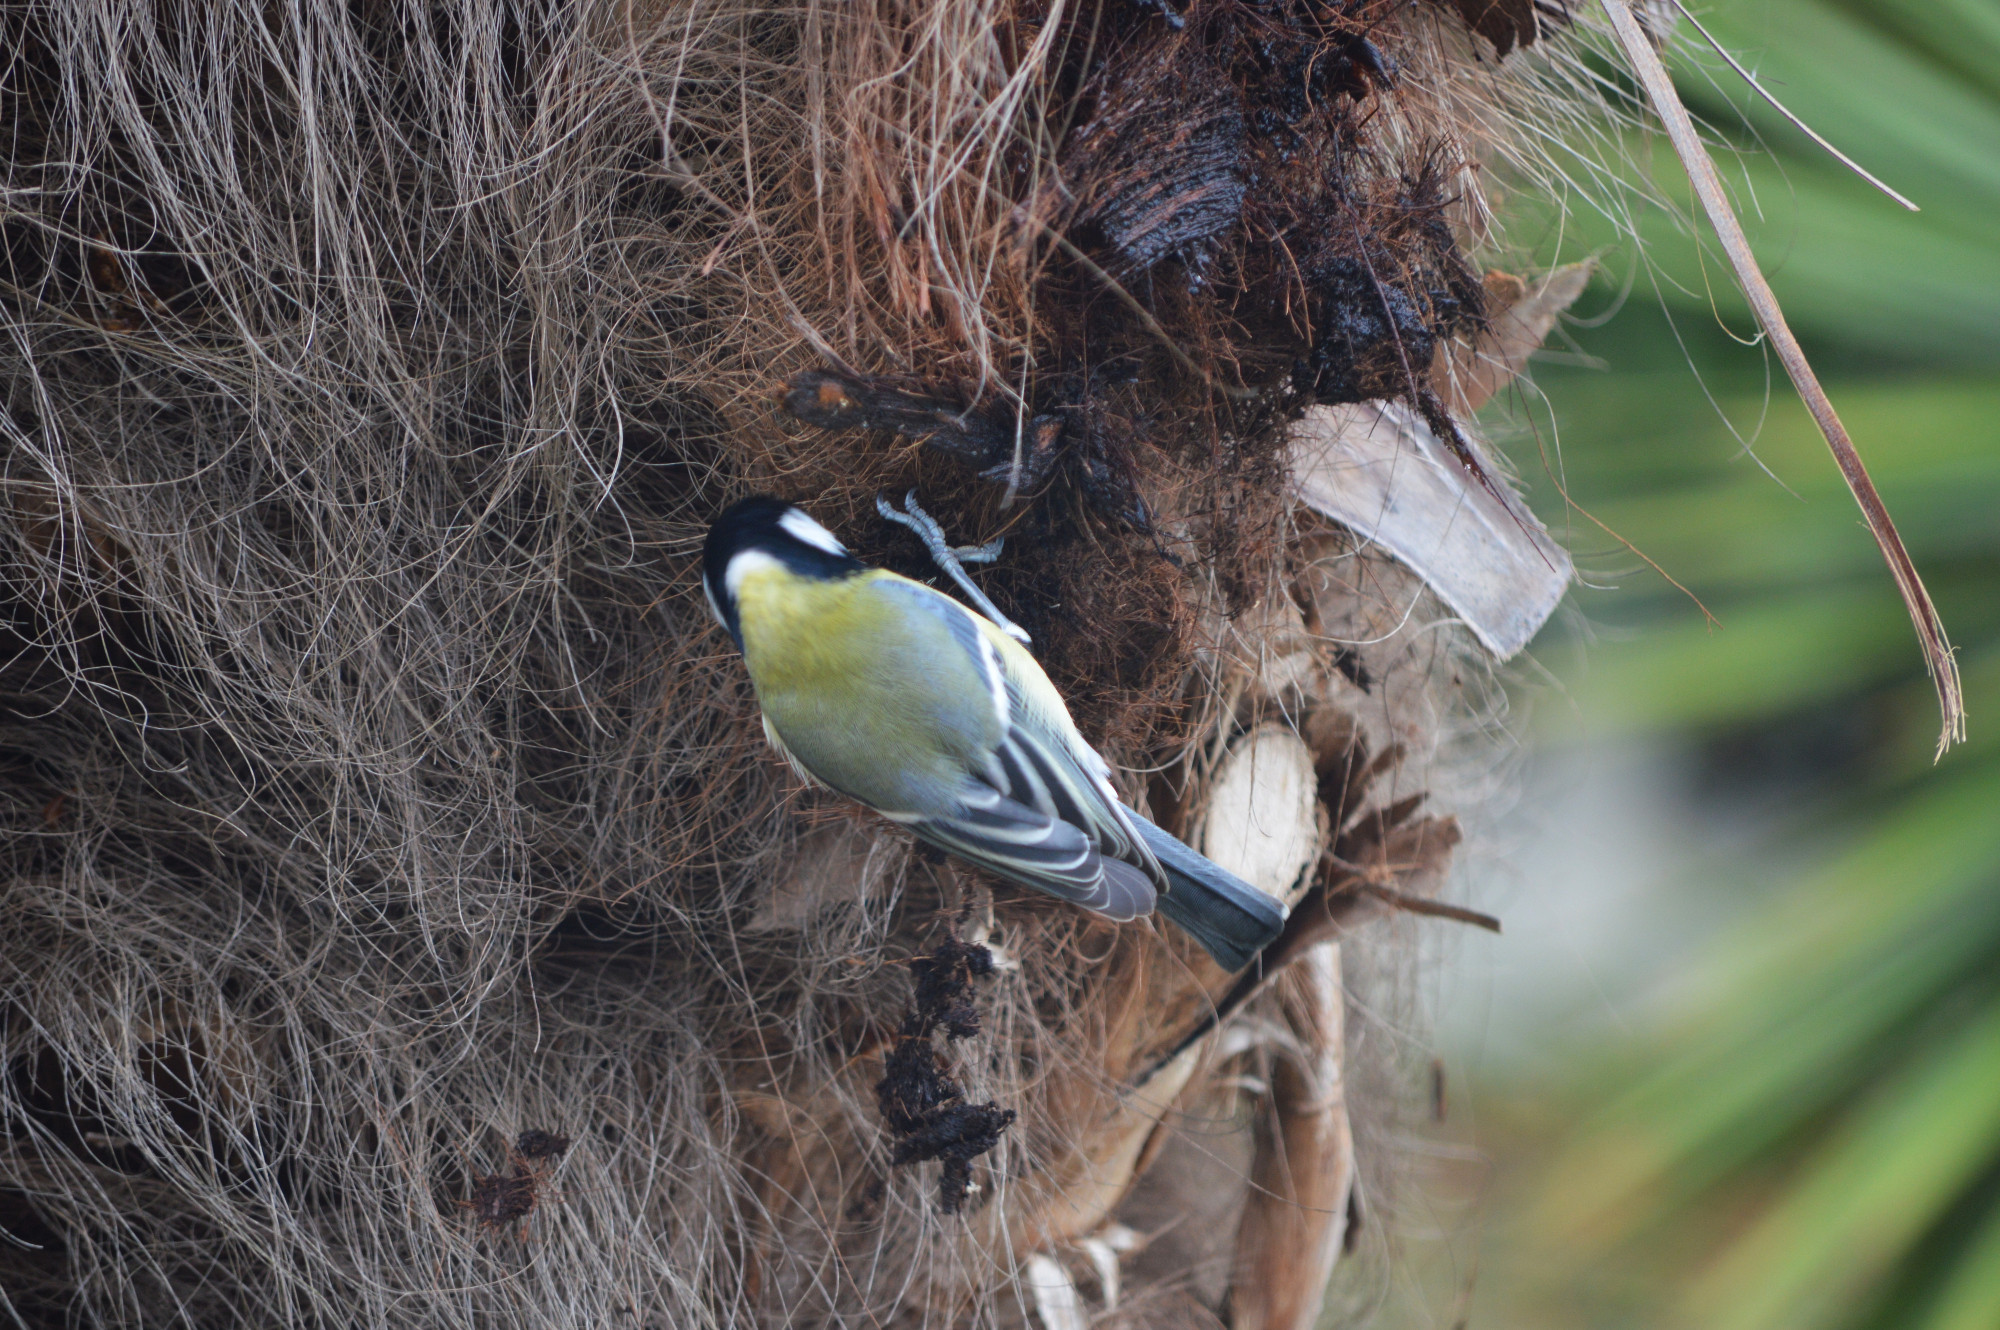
800,632
877,701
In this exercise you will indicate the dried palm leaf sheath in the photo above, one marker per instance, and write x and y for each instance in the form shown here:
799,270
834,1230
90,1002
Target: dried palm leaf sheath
380,802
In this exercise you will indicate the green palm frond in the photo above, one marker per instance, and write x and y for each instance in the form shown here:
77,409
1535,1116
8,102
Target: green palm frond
1811,1141
1908,88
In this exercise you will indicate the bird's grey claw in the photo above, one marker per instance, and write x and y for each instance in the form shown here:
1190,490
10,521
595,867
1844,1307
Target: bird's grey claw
950,560
986,553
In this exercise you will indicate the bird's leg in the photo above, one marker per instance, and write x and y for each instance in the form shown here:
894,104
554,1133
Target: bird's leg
952,560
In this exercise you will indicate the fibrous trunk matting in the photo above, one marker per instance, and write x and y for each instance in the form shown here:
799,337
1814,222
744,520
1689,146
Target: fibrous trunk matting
403,920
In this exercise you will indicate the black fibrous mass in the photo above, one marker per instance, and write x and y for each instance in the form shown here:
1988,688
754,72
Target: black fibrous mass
925,1108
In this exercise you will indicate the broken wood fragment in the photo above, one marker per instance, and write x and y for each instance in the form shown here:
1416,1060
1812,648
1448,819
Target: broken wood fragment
1519,317
1295,1220
1158,169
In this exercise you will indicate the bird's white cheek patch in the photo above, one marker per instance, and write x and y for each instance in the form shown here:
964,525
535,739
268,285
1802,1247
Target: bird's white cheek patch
812,533
746,562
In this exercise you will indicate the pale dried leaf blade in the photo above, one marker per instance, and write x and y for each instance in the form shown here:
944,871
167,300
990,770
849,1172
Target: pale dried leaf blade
1476,370
1295,1218
1057,1305
1376,468
1938,657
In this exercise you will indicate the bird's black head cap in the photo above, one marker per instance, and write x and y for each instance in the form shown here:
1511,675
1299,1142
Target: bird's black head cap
771,526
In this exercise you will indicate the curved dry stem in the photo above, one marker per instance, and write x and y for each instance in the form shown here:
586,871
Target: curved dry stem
1939,660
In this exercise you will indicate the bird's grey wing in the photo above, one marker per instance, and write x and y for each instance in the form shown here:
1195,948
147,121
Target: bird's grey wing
1040,765
1028,846
962,625
1043,769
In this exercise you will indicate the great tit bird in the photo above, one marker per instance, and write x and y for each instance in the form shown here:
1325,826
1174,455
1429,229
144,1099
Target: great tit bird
896,695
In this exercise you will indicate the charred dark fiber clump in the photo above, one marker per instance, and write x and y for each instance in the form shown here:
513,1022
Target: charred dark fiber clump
1222,238
502,1200
371,771
925,1109
1226,170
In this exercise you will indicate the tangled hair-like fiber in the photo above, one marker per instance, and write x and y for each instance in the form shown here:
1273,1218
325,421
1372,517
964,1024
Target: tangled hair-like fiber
375,787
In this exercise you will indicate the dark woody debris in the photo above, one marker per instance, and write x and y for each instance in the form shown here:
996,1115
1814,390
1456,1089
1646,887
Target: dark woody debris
924,1106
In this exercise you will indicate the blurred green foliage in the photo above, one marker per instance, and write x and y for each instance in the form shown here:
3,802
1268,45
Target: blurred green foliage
1810,1140
1908,88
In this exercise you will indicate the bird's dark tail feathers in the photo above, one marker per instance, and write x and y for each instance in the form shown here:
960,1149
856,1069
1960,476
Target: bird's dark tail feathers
1231,919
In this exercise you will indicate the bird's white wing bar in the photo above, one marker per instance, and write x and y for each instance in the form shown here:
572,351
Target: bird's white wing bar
1076,777
989,668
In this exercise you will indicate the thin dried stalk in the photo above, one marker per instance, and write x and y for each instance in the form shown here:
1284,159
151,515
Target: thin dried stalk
1786,111
1652,74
